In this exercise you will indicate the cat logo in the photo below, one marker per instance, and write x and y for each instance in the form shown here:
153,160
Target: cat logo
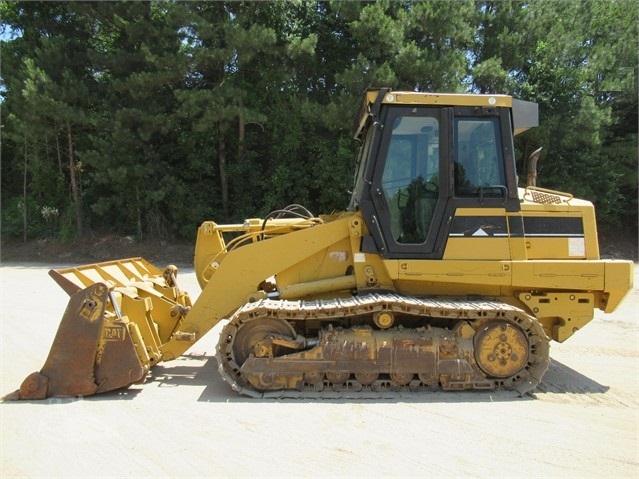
114,333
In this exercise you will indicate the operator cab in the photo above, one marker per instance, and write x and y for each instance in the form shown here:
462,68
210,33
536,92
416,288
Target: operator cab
423,157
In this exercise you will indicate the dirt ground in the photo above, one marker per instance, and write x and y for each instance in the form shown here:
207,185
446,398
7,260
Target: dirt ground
184,421
96,249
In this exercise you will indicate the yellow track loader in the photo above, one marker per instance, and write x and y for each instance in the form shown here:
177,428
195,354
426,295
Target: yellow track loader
442,274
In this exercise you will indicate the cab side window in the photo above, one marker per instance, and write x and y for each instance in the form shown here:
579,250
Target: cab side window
479,167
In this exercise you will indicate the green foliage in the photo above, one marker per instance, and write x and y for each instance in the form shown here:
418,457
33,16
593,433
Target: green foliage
12,218
43,221
147,118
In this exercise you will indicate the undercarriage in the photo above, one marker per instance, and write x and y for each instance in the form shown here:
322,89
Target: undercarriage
367,345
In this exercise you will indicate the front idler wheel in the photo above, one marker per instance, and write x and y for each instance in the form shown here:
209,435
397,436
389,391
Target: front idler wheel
254,339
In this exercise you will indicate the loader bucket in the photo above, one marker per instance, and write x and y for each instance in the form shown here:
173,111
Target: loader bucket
108,337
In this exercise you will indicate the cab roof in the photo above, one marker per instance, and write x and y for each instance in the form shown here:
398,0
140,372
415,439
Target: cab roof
525,114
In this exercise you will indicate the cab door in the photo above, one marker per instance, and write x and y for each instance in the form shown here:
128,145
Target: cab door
409,183
483,187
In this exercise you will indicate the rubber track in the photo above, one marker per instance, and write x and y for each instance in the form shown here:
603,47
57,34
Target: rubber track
450,309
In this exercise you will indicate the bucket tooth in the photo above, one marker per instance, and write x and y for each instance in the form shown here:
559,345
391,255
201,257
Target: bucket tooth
117,363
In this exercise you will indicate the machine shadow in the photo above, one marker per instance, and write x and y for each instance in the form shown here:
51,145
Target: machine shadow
201,370
562,379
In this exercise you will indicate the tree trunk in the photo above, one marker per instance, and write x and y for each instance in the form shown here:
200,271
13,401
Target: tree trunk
241,132
58,149
75,190
224,182
138,213
24,193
